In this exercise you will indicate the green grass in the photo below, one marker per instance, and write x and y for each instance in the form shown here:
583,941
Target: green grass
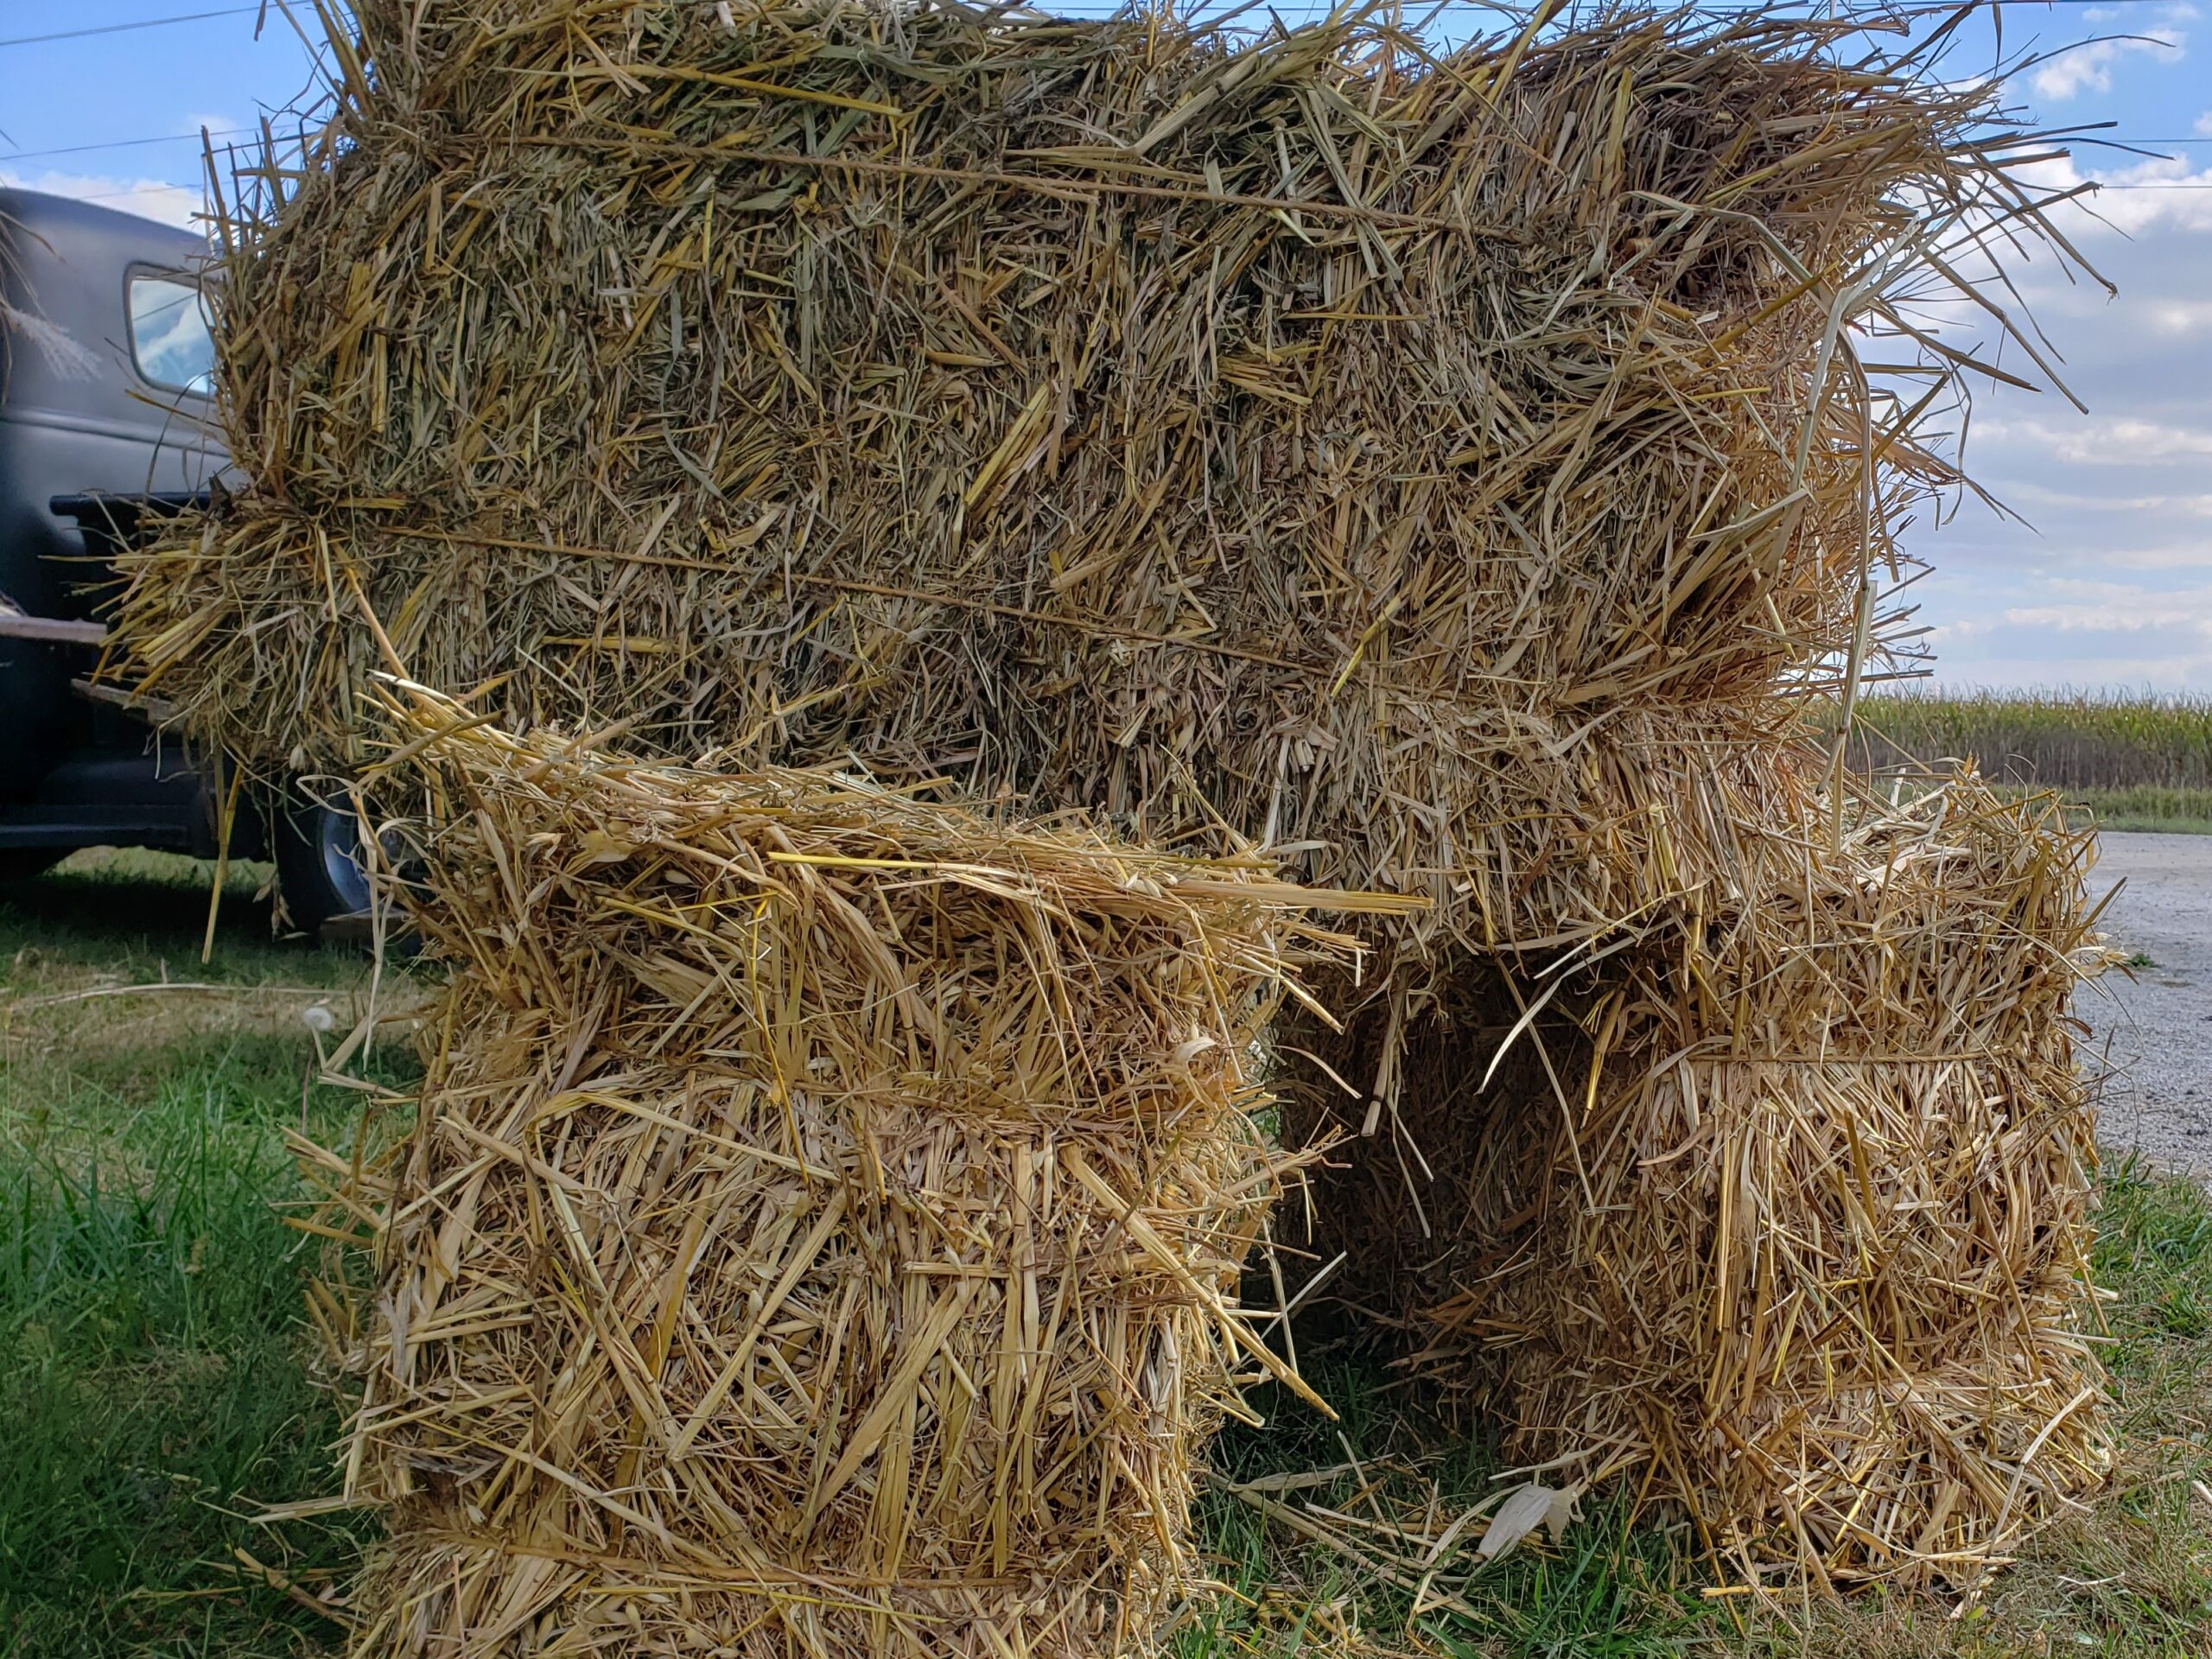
2187,811
1611,1590
157,1383
2132,1580
2131,762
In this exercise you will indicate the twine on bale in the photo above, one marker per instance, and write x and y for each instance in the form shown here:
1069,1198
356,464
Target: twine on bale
821,1228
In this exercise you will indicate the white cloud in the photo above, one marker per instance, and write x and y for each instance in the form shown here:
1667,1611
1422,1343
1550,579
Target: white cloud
2031,497
2180,316
173,204
2077,606
2088,66
2204,124
2139,612
2132,199
2182,12
2122,494
2196,557
2019,668
2124,441
2128,442
2091,633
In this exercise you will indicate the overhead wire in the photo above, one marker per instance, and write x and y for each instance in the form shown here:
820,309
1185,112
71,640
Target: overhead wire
124,28
124,144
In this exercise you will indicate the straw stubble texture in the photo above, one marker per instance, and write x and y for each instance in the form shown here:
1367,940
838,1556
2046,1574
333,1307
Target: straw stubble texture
1448,470
821,1229
1810,1242
1388,452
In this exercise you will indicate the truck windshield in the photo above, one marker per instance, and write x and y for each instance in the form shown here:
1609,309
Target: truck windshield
170,339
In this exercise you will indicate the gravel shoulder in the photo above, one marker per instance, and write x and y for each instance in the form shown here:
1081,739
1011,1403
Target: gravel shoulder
2154,1030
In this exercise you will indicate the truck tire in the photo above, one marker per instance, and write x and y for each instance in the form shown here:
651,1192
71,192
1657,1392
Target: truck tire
319,874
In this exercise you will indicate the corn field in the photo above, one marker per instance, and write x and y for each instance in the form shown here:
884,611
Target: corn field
2069,740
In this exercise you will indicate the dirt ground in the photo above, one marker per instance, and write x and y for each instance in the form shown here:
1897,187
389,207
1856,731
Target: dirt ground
2155,1030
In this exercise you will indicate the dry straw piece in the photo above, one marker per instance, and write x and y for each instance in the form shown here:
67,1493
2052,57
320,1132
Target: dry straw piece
821,1229
1815,1252
1384,451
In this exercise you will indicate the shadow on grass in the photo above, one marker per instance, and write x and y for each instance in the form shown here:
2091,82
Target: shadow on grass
1387,1482
107,906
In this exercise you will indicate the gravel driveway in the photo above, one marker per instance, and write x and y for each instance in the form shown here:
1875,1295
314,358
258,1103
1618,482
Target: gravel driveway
2156,1031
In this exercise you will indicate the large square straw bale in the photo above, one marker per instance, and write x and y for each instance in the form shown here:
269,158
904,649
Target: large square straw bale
822,1229
1325,433
1811,1253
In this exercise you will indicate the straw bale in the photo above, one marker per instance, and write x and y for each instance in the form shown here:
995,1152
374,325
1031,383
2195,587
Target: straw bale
821,1227
1447,470
1438,1089
1811,1254
1318,433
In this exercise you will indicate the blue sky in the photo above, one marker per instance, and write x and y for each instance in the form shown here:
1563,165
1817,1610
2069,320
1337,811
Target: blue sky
2108,581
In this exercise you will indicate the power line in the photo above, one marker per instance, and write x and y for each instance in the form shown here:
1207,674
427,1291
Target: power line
133,144
151,187
122,28
1075,7
1496,5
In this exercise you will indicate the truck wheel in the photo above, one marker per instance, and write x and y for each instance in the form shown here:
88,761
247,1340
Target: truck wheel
319,874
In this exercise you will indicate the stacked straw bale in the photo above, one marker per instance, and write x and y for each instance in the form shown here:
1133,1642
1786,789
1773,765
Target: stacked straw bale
821,1229
1395,456
1813,1250
1448,471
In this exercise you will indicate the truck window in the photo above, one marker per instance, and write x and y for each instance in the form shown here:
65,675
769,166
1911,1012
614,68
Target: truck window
170,339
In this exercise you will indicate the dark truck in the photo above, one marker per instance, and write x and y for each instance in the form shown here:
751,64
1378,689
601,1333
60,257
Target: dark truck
106,366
